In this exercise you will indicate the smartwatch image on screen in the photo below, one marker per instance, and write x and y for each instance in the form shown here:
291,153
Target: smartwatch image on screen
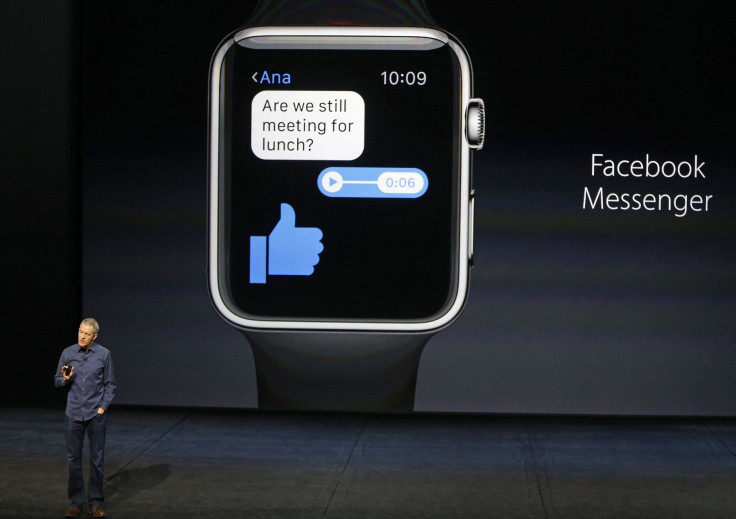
340,196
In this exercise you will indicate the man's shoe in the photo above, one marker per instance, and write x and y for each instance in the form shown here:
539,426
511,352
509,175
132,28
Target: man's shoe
73,511
96,511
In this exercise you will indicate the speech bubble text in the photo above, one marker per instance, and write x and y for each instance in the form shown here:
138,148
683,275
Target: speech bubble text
307,125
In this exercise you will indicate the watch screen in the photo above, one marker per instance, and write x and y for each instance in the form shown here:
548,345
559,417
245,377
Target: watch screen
338,182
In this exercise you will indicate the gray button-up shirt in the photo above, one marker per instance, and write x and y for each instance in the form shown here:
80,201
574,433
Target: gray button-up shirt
93,383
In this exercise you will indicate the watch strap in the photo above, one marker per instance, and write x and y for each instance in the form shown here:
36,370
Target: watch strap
331,371
341,12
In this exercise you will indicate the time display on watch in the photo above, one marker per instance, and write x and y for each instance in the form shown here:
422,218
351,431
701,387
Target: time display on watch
336,199
409,78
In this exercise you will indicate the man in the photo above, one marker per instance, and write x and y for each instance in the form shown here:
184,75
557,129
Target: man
85,370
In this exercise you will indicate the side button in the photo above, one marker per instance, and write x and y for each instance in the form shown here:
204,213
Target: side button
471,226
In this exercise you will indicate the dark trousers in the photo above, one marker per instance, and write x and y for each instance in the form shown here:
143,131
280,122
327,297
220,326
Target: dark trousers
75,431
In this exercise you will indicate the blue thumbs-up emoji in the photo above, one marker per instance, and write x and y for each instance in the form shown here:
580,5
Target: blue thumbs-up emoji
291,250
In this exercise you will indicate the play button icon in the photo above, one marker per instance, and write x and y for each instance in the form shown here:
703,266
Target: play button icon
332,182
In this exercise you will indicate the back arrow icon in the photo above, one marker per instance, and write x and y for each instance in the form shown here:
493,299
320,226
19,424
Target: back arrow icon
254,77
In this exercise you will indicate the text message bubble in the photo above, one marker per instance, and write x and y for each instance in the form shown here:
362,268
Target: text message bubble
307,125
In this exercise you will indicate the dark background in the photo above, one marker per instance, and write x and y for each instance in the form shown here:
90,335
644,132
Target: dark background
41,212
104,152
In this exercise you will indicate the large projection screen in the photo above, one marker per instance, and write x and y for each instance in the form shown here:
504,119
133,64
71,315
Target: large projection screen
598,286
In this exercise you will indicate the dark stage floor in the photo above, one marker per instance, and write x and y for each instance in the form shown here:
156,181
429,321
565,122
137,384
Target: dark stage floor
183,463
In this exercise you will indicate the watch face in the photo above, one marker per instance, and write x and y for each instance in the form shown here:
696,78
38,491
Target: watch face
339,179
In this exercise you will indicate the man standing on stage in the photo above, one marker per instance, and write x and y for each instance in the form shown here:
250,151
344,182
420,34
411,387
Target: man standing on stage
85,370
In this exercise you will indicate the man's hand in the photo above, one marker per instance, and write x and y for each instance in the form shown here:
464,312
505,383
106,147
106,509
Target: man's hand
67,372
100,410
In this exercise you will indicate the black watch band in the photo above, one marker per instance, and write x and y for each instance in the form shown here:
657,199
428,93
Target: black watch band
325,371
341,12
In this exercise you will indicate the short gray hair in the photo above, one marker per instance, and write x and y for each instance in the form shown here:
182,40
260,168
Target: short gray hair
93,323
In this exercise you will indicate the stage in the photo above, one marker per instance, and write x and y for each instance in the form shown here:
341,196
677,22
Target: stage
176,462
